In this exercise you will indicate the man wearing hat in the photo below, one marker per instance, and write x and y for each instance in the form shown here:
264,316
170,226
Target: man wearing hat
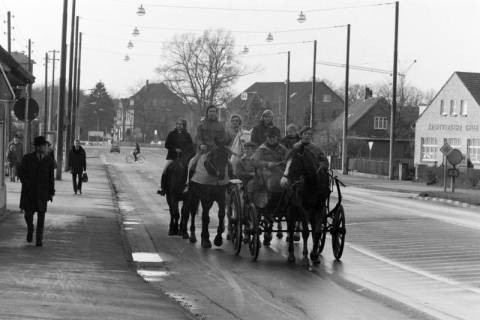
38,186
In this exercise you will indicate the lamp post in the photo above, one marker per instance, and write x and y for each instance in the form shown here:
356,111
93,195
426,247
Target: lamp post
345,108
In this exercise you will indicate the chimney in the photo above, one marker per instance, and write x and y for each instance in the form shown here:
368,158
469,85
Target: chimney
368,93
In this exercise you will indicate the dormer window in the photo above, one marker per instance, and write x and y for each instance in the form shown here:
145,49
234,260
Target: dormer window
380,123
463,108
244,96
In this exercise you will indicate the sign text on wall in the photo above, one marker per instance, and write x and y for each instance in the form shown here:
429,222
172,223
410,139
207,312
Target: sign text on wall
453,127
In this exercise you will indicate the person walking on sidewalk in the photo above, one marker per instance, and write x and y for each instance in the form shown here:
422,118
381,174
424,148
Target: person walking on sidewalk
38,187
78,164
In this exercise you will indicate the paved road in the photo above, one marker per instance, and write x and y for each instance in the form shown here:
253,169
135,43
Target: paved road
405,259
82,271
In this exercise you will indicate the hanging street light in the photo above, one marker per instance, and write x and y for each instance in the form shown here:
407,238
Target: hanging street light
127,58
130,45
301,17
269,37
245,50
135,32
141,10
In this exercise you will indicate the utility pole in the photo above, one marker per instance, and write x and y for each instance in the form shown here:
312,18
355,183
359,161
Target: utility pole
51,107
61,100
68,125
393,111
73,115
287,97
312,107
77,99
26,131
345,116
45,109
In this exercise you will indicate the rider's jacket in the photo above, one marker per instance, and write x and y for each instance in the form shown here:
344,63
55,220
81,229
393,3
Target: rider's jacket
177,140
211,133
259,132
316,152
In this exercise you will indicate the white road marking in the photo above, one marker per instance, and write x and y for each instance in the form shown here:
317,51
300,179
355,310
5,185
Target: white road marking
146,257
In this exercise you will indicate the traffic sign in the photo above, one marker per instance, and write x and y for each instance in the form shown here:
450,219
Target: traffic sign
446,148
453,172
6,91
455,157
19,109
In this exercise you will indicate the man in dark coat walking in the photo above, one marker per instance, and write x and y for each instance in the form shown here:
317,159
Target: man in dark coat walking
77,159
38,187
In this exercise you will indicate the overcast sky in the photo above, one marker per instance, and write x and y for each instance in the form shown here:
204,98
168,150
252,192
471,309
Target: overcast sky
443,36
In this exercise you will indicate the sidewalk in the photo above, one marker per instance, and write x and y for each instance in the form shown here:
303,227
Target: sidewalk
83,270
470,196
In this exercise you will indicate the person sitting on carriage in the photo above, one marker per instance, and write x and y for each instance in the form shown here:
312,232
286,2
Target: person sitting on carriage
210,133
245,168
178,140
310,150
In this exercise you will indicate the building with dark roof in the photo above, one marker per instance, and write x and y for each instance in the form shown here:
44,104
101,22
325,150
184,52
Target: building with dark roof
155,109
261,96
452,117
369,130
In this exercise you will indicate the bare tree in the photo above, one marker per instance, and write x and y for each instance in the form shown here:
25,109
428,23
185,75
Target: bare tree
201,68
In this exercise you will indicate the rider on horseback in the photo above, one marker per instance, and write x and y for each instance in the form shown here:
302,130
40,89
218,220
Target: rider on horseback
210,133
178,140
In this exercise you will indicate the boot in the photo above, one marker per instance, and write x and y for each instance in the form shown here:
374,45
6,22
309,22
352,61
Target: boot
30,230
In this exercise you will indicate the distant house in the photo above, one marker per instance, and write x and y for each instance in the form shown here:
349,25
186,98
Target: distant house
369,130
156,109
452,117
272,95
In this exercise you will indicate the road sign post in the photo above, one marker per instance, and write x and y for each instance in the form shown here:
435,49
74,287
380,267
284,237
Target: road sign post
445,149
454,157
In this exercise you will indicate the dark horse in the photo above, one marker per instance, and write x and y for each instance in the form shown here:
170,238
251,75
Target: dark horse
214,167
307,194
173,182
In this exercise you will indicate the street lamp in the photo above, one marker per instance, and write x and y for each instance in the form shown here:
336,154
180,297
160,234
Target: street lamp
135,32
301,17
245,50
269,37
141,11
130,45
127,58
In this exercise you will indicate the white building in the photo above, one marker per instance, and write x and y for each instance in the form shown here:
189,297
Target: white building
453,116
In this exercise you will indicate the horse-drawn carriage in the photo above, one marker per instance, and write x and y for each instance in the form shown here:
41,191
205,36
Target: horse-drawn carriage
251,215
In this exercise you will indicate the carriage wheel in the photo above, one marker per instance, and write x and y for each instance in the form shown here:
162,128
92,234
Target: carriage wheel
140,158
254,232
129,158
338,232
323,232
236,224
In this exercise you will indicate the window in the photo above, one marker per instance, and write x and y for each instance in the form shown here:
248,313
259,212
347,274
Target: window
473,150
455,143
453,108
463,108
244,96
443,112
327,98
428,149
380,123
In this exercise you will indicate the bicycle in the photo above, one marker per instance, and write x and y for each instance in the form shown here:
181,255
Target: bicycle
131,158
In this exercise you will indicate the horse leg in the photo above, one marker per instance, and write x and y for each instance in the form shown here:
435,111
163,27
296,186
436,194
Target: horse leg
267,237
193,212
279,228
317,225
291,231
171,209
218,241
184,220
206,205
296,237
305,235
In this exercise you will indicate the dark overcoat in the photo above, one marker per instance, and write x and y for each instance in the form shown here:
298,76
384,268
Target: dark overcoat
77,159
38,184
177,140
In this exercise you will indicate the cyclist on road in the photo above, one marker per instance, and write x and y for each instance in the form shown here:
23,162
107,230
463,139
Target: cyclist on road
136,151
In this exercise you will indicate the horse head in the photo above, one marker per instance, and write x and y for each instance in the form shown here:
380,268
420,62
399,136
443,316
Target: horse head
217,161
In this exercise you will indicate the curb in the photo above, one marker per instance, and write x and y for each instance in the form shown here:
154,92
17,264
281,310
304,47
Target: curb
455,203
